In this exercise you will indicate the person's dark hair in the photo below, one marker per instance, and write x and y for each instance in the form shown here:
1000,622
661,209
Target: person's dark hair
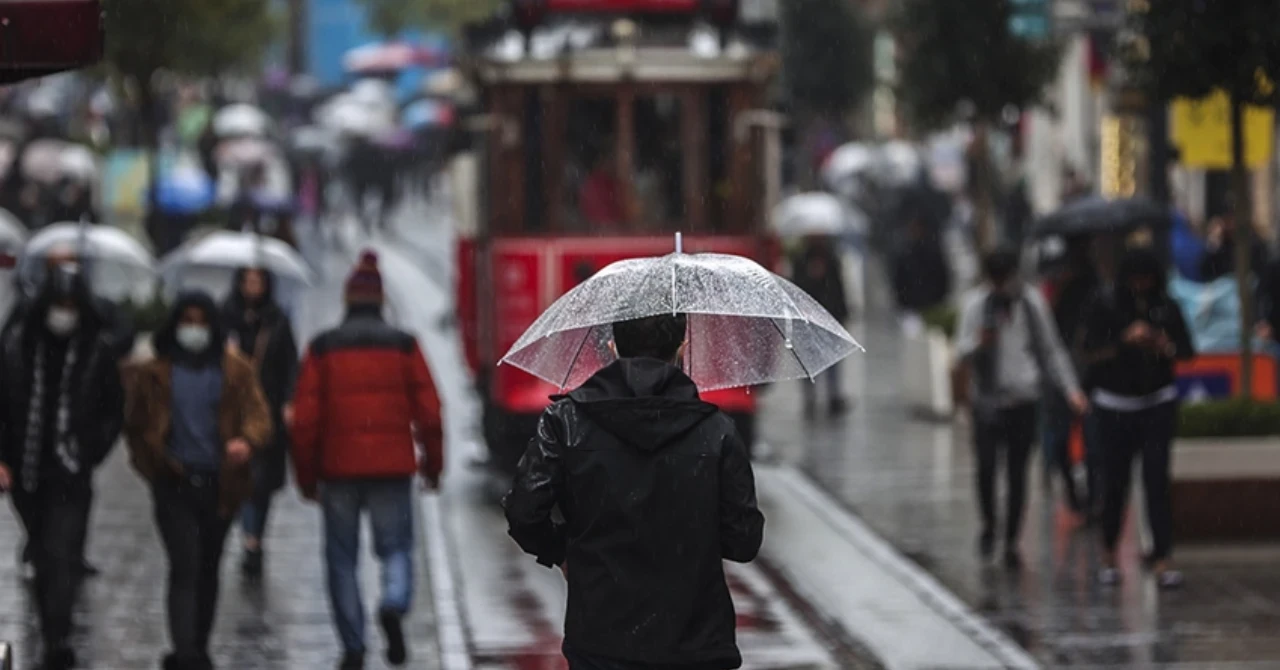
1142,262
1000,265
657,337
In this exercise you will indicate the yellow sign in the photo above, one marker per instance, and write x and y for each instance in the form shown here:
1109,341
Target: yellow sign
1201,130
1119,174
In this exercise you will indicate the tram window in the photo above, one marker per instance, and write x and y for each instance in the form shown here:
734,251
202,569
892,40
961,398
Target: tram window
534,193
658,167
592,191
718,148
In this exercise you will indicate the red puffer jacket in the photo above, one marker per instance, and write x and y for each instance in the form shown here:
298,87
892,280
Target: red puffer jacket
363,396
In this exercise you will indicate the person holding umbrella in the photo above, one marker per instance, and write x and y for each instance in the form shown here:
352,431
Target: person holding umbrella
656,490
260,330
63,408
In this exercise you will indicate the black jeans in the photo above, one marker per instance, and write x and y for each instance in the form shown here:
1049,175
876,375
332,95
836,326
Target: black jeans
57,518
1012,429
1124,435
193,534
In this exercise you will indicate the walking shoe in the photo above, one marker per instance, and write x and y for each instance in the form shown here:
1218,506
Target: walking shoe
251,564
1169,580
391,620
352,661
839,406
61,658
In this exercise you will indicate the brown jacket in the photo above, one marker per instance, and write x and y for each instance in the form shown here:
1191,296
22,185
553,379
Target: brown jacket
242,413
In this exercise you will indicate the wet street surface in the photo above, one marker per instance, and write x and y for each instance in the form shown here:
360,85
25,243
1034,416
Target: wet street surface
911,480
282,623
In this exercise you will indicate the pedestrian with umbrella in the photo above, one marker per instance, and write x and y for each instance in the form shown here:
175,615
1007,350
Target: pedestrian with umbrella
654,484
63,408
260,330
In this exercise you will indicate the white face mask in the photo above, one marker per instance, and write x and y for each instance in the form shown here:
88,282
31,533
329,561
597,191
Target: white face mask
195,339
62,320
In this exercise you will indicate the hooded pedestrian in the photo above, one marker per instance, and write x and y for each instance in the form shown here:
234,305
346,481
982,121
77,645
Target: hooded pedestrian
1008,340
1135,335
820,273
196,416
365,396
260,330
656,490
63,408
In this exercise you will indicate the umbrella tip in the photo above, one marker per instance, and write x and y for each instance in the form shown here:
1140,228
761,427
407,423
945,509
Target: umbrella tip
679,243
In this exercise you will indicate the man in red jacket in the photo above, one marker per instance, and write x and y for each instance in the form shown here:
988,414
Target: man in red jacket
364,395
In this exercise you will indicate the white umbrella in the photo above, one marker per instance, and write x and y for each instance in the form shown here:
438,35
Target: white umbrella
120,266
847,166
232,251
12,233
244,151
900,163
381,57
79,162
373,92
42,160
746,325
240,119
348,117
817,214
314,139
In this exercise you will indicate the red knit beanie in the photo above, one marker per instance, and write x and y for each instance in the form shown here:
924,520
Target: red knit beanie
364,286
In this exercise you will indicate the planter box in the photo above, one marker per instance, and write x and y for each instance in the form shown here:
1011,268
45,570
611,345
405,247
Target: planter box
1226,489
926,374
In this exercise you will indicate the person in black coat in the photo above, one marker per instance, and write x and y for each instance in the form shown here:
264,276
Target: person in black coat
921,273
1134,336
260,329
656,491
63,406
818,271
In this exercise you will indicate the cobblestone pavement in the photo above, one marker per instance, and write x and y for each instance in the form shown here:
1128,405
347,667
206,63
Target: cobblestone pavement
911,481
281,624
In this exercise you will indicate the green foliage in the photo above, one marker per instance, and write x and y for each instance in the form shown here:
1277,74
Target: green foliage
1191,47
943,318
961,54
392,17
1239,417
827,55
188,37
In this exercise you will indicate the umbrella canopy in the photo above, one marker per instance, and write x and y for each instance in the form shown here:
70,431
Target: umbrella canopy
187,189
313,139
817,214
747,326
347,116
232,250
120,266
12,233
1095,214
244,151
390,57
426,113
42,160
241,119
78,162
899,164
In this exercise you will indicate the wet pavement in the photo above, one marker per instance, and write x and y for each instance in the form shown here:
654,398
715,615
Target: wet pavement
282,623
911,481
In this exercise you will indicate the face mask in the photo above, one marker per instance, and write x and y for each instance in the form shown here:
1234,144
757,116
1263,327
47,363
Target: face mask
62,321
195,339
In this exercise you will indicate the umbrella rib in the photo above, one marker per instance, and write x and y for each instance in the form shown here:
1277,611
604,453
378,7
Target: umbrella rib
792,349
576,354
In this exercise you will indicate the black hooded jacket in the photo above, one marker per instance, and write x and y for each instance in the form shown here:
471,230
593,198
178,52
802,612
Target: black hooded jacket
97,406
1125,369
656,490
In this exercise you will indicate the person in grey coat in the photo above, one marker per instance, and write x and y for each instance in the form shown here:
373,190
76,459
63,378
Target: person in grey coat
1010,345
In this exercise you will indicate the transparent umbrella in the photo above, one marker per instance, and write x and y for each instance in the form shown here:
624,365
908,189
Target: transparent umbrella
747,326
232,250
119,265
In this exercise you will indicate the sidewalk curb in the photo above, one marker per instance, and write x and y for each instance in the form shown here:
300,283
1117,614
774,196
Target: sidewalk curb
451,622
923,585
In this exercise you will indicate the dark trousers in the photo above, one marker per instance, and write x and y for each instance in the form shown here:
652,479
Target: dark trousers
27,510
580,661
1147,433
193,534
830,377
57,517
1011,430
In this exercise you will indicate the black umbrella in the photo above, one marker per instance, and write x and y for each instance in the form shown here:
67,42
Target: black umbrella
1095,214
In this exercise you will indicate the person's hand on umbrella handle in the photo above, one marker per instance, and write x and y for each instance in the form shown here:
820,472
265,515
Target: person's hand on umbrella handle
6,478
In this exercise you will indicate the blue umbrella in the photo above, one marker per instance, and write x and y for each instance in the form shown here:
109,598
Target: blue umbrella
426,113
184,191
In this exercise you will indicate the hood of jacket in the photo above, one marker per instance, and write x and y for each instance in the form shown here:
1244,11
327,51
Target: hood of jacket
645,403
165,339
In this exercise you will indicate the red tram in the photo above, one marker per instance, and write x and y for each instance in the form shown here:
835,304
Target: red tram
605,134
41,37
